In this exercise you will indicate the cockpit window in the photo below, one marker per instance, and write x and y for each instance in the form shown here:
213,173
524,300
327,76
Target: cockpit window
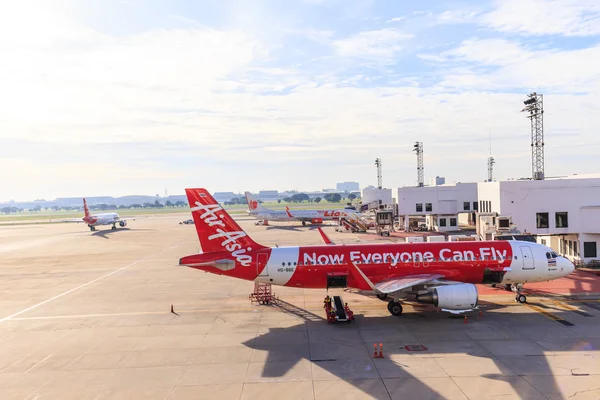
548,255
554,255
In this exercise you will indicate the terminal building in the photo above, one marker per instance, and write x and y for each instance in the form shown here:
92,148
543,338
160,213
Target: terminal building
562,213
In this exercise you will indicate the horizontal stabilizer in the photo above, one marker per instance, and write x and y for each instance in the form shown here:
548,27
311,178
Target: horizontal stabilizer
325,237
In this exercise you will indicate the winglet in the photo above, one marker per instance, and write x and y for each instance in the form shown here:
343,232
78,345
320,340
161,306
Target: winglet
325,237
361,279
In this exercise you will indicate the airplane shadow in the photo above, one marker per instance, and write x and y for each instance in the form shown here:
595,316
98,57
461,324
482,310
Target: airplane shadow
107,232
423,344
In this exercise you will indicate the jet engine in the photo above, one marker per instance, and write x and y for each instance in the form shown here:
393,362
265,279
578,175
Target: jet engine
123,223
316,221
452,297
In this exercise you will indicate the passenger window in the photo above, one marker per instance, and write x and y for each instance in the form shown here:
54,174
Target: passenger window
283,264
516,258
294,263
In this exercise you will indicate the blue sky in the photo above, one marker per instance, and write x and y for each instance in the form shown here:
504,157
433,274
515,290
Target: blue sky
128,96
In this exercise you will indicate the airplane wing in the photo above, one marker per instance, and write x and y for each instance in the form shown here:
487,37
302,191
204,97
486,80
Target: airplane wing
394,284
404,282
126,219
325,237
69,220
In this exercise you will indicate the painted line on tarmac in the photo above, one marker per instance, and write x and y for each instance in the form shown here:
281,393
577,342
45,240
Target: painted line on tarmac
89,283
591,305
540,308
572,309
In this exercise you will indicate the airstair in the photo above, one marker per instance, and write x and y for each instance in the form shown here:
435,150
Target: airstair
336,310
354,223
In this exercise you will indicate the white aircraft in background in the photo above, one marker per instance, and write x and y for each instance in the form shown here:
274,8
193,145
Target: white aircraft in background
93,220
313,216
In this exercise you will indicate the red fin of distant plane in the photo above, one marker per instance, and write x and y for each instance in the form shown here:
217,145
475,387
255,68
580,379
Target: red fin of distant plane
86,210
287,210
325,237
216,229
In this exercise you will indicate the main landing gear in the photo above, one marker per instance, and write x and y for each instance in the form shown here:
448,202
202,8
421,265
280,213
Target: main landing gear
114,227
395,308
92,228
303,223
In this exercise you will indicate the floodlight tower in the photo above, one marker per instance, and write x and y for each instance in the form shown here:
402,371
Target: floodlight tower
491,163
378,164
418,148
535,106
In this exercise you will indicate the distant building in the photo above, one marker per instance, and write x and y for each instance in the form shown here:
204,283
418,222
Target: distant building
347,186
267,195
224,196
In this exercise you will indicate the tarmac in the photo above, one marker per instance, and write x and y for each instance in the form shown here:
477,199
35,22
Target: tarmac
87,315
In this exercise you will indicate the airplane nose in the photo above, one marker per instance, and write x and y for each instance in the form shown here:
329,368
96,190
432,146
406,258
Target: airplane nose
567,266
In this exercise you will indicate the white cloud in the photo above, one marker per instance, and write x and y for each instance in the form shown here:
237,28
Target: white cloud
460,16
545,17
498,64
383,43
396,19
110,103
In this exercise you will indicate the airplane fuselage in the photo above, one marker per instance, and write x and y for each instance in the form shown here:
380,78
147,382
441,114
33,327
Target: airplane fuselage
470,262
102,219
299,215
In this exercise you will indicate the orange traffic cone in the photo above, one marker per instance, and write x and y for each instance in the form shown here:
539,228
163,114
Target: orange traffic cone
375,350
380,350
466,320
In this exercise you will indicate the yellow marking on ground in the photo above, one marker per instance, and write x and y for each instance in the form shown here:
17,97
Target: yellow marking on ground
548,314
564,305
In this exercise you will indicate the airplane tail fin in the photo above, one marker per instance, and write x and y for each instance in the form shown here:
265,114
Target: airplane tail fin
253,205
86,210
216,230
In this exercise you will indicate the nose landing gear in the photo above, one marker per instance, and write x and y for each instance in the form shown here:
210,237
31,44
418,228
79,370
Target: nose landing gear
519,298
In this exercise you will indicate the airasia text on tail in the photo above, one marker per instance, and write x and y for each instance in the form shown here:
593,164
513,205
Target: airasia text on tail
230,243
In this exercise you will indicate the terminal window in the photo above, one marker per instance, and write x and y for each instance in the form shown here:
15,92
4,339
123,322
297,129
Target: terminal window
419,207
562,220
428,206
442,221
475,206
452,221
466,206
542,220
589,249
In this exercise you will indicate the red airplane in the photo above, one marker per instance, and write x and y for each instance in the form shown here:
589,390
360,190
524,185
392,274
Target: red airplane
443,274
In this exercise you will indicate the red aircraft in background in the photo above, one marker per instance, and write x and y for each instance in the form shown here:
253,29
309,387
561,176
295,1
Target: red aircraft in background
443,274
